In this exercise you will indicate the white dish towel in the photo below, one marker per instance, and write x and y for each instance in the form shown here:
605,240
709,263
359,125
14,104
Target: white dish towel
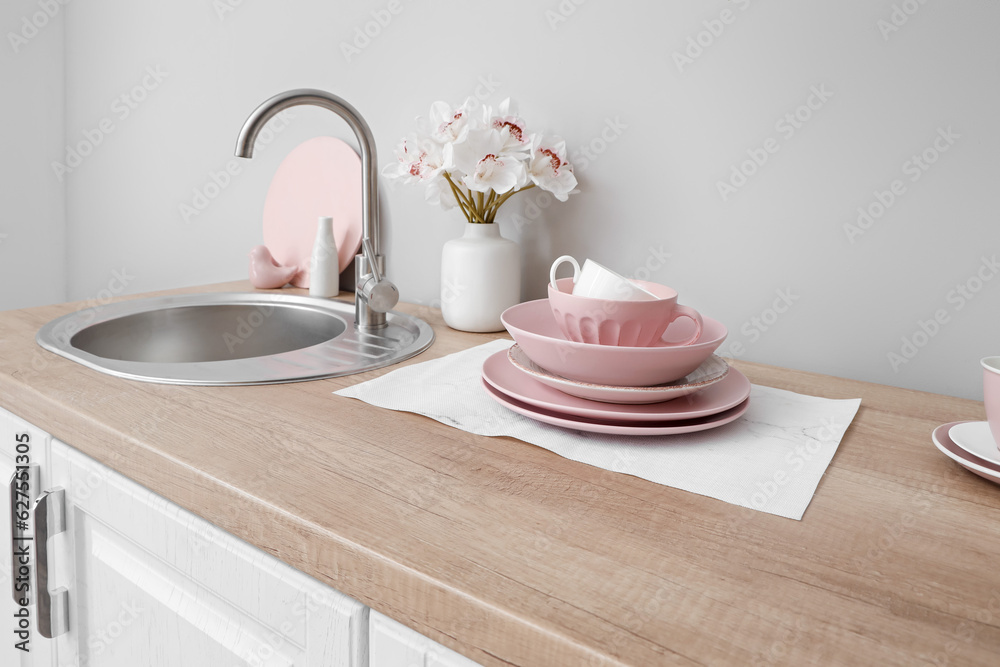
771,459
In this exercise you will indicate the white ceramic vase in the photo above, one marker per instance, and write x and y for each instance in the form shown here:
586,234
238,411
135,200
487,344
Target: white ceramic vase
480,278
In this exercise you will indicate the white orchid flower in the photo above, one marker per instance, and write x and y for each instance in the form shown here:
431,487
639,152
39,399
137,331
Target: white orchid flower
550,169
512,132
484,164
512,128
417,159
450,126
475,159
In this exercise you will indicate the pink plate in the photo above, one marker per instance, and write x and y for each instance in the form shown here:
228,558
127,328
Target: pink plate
534,328
612,427
320,177
974,464
505,377
713,370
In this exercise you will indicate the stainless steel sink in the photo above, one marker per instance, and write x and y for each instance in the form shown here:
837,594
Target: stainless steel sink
231,339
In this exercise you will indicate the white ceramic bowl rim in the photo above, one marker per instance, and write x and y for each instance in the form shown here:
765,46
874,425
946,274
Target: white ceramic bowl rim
660,292
991,364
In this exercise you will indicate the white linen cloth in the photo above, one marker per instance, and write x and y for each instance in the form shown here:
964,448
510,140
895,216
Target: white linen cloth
771,459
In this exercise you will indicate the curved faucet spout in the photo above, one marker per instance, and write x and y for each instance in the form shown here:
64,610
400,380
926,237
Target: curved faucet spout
366,316
320,98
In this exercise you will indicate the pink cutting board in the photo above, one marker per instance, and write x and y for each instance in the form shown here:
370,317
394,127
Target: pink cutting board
321,177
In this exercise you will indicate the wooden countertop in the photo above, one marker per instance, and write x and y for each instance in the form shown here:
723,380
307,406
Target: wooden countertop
512,555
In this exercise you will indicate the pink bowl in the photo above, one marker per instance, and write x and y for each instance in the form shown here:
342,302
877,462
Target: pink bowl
612,322
991,394
534,328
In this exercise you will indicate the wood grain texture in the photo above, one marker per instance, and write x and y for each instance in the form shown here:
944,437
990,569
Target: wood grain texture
511,555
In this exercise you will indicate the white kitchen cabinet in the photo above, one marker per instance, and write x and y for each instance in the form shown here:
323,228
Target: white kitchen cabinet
150,584
395,645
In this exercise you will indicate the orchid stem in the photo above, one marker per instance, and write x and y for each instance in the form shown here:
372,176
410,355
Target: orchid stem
491,213
464,201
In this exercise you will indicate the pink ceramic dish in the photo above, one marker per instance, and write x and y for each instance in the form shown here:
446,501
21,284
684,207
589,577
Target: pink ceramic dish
506,378
612,427
991,394
320,177
534,328
713,370
614,322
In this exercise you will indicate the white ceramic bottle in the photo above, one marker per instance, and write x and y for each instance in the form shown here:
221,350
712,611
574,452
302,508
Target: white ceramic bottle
324,267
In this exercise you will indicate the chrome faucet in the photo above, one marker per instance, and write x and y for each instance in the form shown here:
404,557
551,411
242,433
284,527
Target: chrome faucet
373,294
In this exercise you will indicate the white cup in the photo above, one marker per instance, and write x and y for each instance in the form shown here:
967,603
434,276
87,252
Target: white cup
598,282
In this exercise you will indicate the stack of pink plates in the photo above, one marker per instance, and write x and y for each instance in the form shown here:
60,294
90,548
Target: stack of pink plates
658,390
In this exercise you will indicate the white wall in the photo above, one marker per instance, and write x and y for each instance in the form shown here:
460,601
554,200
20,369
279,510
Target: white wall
682,127
32,214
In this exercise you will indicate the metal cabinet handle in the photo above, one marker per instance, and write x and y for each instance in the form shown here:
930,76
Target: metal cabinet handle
24,489
49,515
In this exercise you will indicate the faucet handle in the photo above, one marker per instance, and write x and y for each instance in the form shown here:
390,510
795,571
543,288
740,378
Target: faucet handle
369,253
380,294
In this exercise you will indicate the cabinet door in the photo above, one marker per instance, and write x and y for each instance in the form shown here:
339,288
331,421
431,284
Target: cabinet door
153,585
18,439
395,645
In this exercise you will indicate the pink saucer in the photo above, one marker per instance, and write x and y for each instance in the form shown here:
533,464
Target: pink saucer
506,378
713,370
612,427
534,328
320,177
974,464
